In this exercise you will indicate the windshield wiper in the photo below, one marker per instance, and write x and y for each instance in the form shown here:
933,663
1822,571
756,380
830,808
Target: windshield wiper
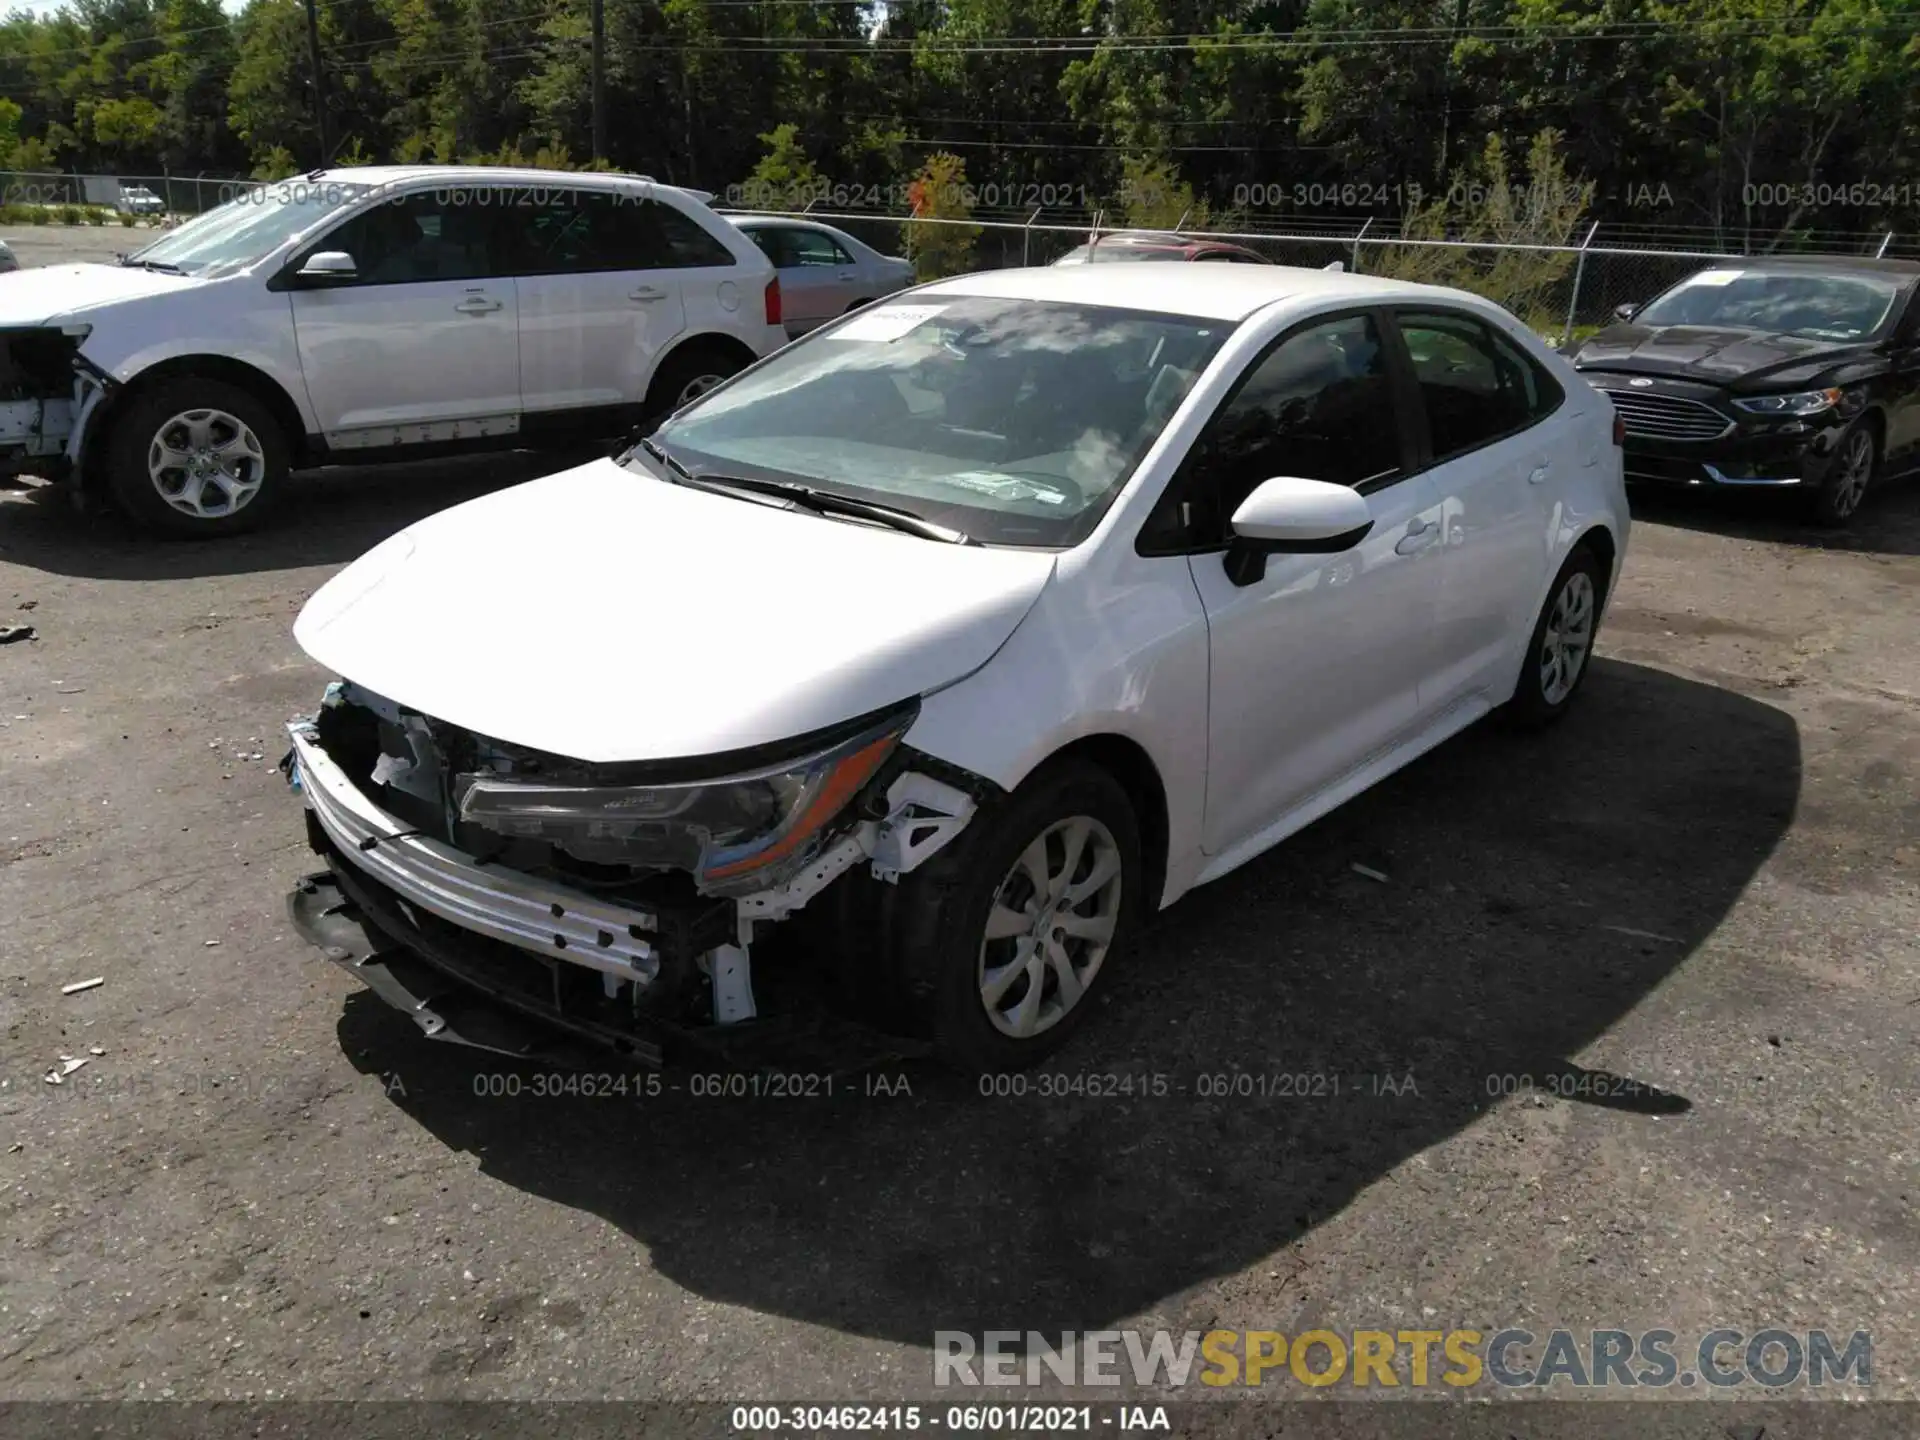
158,266
820,502
825,502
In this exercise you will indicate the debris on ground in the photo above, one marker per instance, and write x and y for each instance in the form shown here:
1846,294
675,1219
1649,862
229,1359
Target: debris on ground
68,1064
79,985
1643,934
96,1050
1369,872
210,943
11,633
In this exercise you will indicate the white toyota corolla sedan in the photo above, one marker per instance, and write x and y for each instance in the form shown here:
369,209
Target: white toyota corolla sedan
961,634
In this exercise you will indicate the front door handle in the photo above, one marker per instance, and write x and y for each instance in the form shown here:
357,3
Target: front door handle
646,293
478,305
1420,534
1539,474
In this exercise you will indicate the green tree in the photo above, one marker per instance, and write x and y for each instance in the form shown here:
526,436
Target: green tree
939,239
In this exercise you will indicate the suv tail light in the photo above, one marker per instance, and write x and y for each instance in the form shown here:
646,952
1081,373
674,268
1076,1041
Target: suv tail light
1619,428
773,301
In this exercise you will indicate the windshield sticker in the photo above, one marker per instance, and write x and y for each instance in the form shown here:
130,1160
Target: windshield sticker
889,322
1716,277
1003,487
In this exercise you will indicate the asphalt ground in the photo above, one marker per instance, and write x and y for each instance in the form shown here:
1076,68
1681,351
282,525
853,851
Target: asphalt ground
265,1184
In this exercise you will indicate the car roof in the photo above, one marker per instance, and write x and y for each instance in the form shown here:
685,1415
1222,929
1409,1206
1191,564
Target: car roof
551,179
1207,292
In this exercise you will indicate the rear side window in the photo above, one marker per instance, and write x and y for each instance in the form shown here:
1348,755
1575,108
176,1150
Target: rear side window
811,247
682,241
588,231
1476,385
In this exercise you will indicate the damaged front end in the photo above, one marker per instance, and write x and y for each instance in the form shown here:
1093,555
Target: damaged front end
47,393
617,902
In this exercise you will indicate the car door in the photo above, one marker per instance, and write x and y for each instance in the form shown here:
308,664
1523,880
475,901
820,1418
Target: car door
818,278
601,297
1495,432
420,343
1902,392
1315,664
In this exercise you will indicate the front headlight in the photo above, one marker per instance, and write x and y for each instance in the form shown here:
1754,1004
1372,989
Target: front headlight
1801,402
735,833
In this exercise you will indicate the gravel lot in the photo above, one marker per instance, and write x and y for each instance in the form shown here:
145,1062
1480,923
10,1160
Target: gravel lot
265,1184
64,244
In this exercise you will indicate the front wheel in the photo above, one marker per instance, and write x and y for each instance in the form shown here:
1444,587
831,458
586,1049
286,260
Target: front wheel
196,457
1855,464
1561,646
1006,932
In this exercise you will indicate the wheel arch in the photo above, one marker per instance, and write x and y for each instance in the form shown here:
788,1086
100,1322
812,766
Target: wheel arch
1128,762
1600,540
250,378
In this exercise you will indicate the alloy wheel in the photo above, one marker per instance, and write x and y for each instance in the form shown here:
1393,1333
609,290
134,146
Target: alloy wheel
206,463
695,388
1050,927
1856,469
1568,638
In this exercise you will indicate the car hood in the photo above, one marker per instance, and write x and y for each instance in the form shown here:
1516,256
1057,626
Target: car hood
48,292
1712,355
606,615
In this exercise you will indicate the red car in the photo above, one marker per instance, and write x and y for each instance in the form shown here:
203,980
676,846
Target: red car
1142,245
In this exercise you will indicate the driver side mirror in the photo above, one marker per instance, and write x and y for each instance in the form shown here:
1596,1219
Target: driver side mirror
1290,516
1626,312
327,266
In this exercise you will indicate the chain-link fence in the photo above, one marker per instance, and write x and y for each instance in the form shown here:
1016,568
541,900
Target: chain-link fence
24,192
1561,291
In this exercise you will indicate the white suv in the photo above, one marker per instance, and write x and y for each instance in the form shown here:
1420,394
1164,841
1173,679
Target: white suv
369,314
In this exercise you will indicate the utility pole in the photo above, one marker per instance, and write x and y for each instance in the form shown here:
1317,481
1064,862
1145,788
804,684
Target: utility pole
599,79
320,82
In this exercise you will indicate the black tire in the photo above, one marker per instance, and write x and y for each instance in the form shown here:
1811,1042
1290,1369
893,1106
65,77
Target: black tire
937,935
693,368
856,305
1536,701
139,427
1849,478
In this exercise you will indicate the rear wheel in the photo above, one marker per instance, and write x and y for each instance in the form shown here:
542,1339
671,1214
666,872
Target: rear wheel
195,456
1560,651
688,374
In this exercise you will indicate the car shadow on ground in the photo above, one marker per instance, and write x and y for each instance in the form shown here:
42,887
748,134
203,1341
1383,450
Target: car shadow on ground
1888,524
1536,888
330,517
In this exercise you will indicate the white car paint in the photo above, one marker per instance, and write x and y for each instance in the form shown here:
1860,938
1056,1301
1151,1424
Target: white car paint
707,623
356,363
610,615
839,619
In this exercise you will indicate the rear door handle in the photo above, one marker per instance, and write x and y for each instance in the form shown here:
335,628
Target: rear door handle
1420,534
646,293
1539,474
849,275
478,305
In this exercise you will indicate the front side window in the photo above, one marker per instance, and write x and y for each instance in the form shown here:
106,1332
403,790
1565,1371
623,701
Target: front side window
1318,406
450,234
1016,421
1475,383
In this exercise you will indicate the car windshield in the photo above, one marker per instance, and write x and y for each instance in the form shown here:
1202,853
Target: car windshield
1821,307
248,227
1014,421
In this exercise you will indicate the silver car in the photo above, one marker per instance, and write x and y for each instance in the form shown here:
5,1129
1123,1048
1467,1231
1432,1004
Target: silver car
7,259
824,272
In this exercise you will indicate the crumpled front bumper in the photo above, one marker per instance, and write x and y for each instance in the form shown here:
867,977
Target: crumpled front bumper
490,900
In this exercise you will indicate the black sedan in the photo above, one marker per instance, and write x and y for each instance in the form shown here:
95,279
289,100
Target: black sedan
1800,372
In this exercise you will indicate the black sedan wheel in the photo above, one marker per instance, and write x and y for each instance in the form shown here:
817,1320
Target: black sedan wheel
1855,464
